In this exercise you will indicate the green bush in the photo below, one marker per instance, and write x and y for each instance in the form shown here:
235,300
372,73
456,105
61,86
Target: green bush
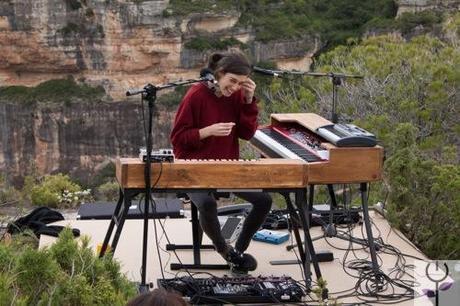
52,91
335,21
68,273
408,21
108,191
52,191
36,272
409,100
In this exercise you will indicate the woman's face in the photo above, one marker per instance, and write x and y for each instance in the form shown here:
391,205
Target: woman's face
229,82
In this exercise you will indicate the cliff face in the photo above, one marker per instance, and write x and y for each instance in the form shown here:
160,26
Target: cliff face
76,139
421,5
118,44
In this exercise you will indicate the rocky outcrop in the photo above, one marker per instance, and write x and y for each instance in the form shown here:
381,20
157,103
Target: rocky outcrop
74,139
117,44
414,6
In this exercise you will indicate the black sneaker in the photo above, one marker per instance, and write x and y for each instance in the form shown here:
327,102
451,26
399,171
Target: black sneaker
240,263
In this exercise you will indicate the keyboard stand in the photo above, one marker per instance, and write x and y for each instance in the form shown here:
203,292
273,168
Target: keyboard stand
370,241
124,202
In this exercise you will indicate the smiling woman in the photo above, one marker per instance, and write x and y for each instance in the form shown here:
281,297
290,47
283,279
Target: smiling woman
209,122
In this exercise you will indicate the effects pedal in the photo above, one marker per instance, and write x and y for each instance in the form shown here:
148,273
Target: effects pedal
271,236
158,156
231,229
236,290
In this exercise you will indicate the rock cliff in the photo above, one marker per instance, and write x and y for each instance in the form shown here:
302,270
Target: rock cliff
118,43
421,5
76,139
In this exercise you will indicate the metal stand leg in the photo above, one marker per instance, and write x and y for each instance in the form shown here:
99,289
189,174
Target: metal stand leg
301,204
295,223
118,219
367,223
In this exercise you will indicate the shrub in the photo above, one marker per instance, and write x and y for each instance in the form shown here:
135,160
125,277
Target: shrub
108,191
409,100
53,191
68,273
408,21
52,91
36,272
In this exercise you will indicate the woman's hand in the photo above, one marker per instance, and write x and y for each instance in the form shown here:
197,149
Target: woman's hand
217,129
248,87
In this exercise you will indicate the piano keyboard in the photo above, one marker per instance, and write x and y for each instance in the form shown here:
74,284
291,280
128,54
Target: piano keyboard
275,144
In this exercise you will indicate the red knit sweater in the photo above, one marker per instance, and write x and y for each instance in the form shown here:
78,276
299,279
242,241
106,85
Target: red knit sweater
200,108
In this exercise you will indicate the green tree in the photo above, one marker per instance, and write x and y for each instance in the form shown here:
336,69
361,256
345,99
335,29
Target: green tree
409,98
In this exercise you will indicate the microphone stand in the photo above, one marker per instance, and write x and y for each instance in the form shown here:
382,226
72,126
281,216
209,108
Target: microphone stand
336,79
149,94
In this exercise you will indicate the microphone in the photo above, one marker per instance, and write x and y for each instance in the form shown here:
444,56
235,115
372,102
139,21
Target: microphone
206,75
266,71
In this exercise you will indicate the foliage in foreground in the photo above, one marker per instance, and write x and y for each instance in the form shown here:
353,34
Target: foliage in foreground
68,273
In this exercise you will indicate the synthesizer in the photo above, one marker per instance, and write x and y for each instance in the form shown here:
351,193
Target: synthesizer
347,135
236,290
296,137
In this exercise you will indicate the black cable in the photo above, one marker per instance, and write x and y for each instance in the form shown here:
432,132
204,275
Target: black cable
156,234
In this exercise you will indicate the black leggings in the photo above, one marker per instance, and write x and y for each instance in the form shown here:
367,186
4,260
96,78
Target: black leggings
207,206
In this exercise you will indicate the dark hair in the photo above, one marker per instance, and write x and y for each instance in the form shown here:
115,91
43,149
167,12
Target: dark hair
158,297
233,62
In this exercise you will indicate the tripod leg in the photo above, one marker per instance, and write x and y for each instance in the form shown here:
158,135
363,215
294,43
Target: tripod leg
121,220
295,223
301,204
113,220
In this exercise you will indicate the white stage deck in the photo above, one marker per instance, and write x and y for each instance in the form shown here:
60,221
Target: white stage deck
129,252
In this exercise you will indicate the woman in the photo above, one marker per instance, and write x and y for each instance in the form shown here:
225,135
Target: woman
210,120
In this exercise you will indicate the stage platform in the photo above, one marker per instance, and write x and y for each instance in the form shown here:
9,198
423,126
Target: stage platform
129,252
